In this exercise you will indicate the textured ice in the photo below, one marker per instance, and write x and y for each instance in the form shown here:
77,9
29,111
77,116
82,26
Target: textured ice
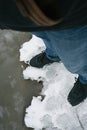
54,111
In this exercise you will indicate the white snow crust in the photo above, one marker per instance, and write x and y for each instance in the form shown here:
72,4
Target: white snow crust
53,112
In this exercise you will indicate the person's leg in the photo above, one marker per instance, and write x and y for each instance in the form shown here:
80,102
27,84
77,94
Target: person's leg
50,50
72,49
48,56
71,46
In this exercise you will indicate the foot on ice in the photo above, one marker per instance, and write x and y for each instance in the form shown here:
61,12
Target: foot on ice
78,93
40,60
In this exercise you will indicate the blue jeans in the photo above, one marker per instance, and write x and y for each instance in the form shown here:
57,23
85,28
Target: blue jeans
70,46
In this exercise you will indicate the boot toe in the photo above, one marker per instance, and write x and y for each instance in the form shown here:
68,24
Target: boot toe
77,94
75,99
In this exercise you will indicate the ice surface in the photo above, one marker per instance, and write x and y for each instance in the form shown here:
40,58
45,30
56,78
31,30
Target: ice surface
53,112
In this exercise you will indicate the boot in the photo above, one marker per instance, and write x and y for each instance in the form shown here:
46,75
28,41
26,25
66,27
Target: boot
78,93
40,60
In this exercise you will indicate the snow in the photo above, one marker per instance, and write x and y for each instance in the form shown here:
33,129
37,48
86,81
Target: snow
53,112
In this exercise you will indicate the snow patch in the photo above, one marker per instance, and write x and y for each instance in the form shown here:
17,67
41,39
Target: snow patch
31,48
54,111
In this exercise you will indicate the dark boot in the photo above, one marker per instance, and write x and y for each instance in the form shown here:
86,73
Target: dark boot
40,60
78,93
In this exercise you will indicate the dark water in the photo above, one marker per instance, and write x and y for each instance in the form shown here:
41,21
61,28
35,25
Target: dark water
15,92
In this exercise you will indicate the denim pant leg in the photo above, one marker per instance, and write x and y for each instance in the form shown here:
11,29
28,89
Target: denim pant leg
50,52
71,46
